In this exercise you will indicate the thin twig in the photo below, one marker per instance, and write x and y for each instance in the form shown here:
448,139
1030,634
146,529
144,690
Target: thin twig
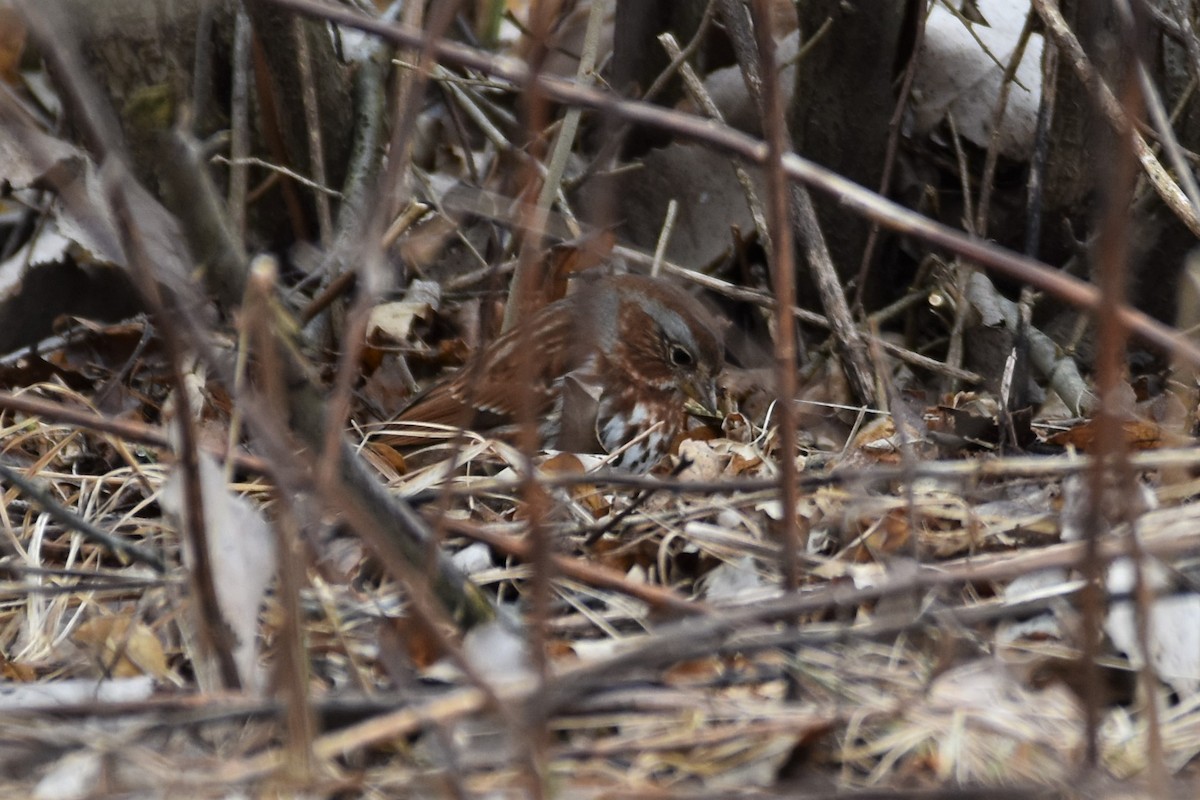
895,127
664,236
312,121
239,124
997,125
783,273
316,186
528,273
961,271
72,521
700,96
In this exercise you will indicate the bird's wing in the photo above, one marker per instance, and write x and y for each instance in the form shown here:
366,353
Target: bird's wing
487,393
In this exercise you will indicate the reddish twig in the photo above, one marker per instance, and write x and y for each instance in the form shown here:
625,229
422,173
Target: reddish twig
783,272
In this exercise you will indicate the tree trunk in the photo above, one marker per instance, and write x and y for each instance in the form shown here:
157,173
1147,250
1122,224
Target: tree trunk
843,103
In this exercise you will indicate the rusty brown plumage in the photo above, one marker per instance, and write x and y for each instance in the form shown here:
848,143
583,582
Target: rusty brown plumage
618,358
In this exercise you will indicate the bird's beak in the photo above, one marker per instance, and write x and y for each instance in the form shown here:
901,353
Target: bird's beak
701,392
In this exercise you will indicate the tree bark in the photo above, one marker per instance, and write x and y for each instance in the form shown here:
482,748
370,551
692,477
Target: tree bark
843,104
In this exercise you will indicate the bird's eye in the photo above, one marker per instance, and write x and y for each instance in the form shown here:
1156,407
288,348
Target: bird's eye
680,357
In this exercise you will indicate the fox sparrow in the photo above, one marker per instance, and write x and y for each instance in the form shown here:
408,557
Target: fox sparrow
615,362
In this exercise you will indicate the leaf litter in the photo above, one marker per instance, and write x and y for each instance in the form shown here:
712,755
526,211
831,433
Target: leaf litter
888,666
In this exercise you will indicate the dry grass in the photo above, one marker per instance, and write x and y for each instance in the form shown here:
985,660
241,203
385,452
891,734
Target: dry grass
923,683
